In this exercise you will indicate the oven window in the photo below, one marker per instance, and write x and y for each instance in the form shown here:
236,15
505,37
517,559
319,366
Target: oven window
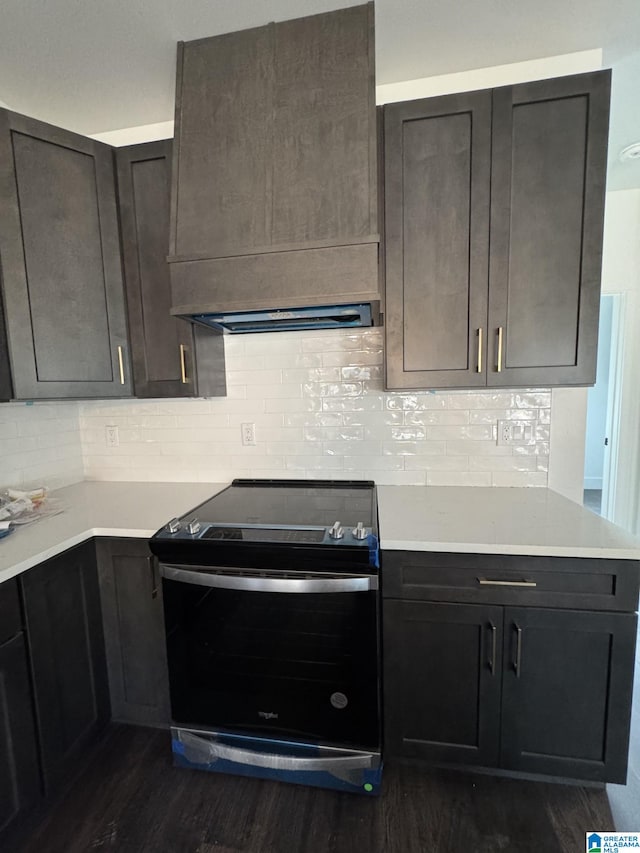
295,665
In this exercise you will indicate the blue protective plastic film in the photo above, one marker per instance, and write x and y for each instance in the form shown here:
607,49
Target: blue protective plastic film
194,752
374,550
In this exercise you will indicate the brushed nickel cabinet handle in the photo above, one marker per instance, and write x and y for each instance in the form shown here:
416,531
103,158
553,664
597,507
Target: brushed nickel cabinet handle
517,663
479,368
121,365
183,365
499,349
489,582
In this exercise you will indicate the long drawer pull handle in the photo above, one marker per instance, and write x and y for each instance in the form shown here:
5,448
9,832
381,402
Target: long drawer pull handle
121,365
269,584
492,659
183,365
517,664
500,349
213,751
479,369
488,582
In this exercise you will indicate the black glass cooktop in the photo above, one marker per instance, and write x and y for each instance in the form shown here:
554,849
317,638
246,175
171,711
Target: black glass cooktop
288,503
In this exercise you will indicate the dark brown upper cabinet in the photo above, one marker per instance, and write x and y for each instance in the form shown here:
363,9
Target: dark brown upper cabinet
165,351
64,312
494,210
548,175
274,200
437,183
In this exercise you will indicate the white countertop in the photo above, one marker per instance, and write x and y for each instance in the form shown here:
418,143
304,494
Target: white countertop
496,521
99,509
413,518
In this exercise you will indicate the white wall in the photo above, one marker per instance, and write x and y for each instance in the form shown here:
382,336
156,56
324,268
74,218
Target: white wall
40,444
320,411
489,78
598,395
621,274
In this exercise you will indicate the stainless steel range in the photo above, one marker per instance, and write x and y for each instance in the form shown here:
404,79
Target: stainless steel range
271,610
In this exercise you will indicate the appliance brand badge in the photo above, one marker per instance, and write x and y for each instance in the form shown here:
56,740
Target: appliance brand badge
268,715
339,701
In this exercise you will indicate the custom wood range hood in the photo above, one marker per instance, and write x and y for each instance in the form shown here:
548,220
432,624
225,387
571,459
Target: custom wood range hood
274,195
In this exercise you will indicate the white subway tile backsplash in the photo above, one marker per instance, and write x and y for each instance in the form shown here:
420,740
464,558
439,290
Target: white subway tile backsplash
319,410
501,463
457,478
437,416
40,444
437,463
518,478
478,432
465,447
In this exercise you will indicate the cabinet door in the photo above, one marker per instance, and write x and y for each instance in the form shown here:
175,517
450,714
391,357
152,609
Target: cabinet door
549,157
161,345
134,632
437,159
19,770
442,674
567,688
64,626
62,277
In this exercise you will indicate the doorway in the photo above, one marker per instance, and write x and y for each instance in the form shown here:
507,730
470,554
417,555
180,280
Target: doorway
603,411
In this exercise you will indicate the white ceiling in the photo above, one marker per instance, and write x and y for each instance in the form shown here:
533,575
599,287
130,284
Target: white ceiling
99,65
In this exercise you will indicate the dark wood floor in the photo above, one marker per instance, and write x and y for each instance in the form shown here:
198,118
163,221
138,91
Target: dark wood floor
131,800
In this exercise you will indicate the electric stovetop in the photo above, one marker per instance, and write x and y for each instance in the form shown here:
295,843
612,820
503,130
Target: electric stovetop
265,520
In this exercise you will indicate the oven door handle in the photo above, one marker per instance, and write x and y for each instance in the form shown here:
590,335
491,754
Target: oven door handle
275,761
267,584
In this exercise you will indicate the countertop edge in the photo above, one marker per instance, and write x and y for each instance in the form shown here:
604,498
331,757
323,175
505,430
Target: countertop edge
514,550
70,542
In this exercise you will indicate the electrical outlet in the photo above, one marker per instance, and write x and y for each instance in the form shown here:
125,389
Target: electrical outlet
112,436
248,433
515,432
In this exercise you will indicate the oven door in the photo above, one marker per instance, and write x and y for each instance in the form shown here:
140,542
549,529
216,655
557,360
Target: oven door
268,654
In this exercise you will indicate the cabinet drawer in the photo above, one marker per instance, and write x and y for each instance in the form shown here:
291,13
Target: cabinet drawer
579,583
10,617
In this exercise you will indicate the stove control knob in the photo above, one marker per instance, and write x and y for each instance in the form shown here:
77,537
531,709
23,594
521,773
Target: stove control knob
174,525
193,527
359,532
337,531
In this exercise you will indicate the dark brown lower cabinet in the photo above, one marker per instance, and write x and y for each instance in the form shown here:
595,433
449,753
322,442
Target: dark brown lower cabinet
134,632
19,768
64,625
527,689
566,692
442,681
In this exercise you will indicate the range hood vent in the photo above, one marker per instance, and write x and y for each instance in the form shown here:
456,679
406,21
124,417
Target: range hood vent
275,176
295,319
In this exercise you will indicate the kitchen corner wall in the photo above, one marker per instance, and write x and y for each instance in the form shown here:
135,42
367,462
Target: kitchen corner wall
320,411
40,444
